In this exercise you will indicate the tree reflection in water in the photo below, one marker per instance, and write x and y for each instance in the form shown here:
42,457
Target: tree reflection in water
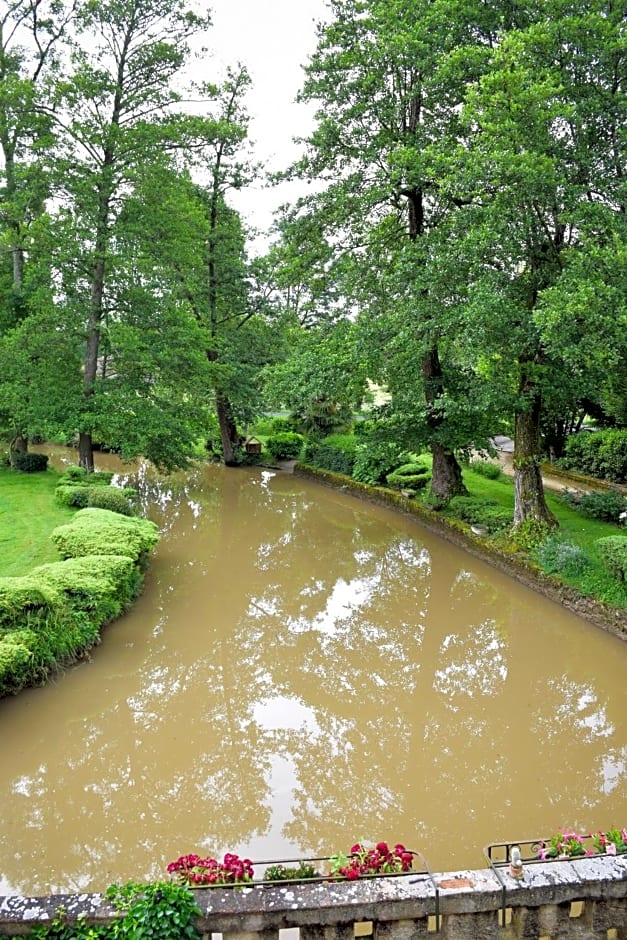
304,670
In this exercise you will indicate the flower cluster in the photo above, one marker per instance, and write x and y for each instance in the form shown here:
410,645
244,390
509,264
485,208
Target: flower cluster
612,842
572,845
563,845
381,860
194,870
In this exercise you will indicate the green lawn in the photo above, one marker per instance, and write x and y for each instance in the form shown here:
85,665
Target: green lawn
574,527
28,514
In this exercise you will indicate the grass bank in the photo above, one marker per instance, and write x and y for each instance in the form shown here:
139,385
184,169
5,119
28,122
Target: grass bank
28,515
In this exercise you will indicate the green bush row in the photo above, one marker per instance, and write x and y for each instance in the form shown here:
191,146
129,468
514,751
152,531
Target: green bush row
602,454
335,453
98,497
50,616
607,506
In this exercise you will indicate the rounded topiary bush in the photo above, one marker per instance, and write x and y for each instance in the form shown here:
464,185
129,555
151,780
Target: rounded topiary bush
409,476
286,445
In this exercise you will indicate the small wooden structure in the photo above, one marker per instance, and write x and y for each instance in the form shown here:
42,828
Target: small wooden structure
252,445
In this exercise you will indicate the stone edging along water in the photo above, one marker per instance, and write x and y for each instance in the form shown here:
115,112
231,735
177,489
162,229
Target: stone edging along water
613,620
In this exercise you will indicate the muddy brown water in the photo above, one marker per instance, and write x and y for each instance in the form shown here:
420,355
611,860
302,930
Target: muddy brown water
304,670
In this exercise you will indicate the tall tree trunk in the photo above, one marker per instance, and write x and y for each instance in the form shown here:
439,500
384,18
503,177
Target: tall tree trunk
446,474
528,487
228,431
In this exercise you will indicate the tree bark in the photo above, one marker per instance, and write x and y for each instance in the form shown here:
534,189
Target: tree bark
528,487
228,431
446,474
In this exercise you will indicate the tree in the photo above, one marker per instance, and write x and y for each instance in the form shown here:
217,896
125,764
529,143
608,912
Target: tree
390,81
117,124
541,177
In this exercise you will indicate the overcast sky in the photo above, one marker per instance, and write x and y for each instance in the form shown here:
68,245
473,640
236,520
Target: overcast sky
273,39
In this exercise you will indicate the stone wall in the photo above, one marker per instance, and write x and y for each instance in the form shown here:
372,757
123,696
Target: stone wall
559,900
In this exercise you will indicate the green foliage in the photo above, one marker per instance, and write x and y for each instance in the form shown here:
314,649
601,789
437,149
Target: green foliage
530,534
101,586
486,468
602,454
482,512
15,660
113,498
74,495
410,476
159,911
102,532
376,459
286,445
607,505
613,552
335,452
26,601
558,556
28,462
301,872
78,475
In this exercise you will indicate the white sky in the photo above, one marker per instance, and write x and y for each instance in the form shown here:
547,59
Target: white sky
273,39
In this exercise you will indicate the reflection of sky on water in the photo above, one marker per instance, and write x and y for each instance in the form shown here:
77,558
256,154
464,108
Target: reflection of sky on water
302,671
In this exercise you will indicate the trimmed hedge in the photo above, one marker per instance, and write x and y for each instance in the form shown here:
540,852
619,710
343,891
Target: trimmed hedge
29,463
49,617
99,496
335,452
409,476
286,445
613,552
102,532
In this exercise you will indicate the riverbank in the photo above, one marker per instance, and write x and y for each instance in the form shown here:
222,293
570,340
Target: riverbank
614,620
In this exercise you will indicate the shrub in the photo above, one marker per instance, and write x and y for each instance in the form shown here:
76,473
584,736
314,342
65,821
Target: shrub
29,463
102,532
78,475
485,468
72,495
101,586
410,476
25,601
286,445
374,460
602,454
481,512
113,498
556,556
282,425
613,552
606,506
15,660
335,453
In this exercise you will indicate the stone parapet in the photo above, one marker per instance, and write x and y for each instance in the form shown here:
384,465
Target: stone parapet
582,899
